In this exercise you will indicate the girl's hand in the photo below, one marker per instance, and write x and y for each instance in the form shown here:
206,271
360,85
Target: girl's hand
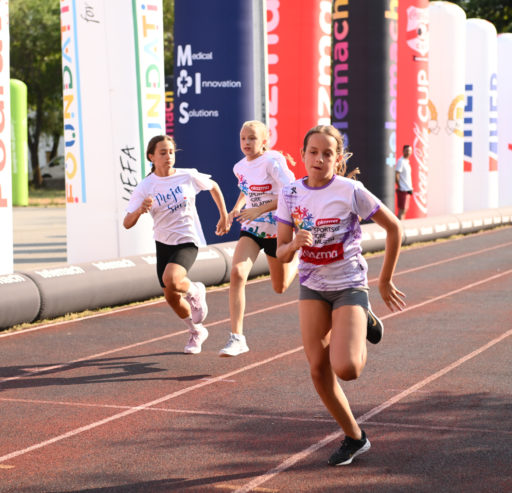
248,215
146,204
393,297
303,237
232,216
223,226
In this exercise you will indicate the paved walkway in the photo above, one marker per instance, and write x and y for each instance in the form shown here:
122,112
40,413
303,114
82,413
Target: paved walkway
39,237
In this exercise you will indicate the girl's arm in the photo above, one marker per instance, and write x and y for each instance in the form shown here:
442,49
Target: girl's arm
288,244
253,213
218,197
131,218
393,297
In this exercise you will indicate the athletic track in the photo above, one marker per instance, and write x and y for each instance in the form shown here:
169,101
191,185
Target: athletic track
109,403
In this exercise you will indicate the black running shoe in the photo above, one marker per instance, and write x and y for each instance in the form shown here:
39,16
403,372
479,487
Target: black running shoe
348,450
374,328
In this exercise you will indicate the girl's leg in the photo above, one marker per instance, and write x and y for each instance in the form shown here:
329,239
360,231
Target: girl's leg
246,252
316,320
176,285
348,341
281,274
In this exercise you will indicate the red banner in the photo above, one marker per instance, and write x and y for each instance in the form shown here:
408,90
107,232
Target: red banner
299,61
413,96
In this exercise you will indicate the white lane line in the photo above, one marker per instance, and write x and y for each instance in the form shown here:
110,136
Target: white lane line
444,261
292,460
273,417
447,428
34,371
224,288
112,311
142,407
149,341
197,412
446,295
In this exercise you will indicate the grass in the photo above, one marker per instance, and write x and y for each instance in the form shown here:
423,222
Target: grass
45,197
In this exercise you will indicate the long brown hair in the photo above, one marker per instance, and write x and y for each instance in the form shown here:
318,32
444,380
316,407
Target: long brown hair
150,149
341,168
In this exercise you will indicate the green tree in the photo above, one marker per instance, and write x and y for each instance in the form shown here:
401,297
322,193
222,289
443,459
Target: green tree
168,8
35,53
499,12
36,59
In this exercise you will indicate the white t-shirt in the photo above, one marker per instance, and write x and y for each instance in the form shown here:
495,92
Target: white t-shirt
331,213
174,205
403,167
261,181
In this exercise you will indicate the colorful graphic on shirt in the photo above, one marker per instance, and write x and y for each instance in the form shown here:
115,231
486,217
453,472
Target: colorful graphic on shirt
302,218
242,184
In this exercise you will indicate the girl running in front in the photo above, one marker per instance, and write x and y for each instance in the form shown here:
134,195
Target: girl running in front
169,195
261,174
323,210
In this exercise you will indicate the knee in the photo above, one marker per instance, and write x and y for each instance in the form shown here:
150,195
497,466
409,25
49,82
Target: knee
171,282
348,370
238,275
318,373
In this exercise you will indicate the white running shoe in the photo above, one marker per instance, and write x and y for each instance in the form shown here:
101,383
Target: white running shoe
197,303
236,345
197,337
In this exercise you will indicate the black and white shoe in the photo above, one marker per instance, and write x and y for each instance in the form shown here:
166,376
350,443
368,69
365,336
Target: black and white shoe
374,328
349,450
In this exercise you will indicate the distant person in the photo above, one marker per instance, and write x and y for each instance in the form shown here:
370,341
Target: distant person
403,182
261,174
169,195
318,216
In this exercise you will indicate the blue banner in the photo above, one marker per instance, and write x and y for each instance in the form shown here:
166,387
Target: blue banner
213,95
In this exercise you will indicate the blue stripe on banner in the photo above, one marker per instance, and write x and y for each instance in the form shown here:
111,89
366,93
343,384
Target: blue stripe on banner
79,102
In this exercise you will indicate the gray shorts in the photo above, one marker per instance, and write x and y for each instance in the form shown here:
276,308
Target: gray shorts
344,297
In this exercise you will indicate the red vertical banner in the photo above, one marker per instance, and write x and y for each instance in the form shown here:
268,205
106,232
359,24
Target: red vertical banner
413,96
299,72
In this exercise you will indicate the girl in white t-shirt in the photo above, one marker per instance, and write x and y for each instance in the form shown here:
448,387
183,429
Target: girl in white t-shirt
169,195
323,211
261,174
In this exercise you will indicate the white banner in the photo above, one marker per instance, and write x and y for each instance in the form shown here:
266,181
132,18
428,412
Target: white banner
481,117
446,107
505,118
6,235
114,102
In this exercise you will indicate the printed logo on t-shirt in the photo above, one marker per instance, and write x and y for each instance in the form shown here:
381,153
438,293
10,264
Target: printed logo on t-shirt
326,254
261,188
327,221
242,184
302,218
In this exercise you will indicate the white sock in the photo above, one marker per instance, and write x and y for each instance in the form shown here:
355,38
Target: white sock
191,325
192,290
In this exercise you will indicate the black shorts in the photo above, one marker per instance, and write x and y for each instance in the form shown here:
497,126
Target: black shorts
269,245
184,254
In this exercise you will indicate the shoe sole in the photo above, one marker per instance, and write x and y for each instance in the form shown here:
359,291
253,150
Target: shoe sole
362,450
226,355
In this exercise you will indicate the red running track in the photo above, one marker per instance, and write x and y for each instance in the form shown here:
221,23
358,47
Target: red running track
110,403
